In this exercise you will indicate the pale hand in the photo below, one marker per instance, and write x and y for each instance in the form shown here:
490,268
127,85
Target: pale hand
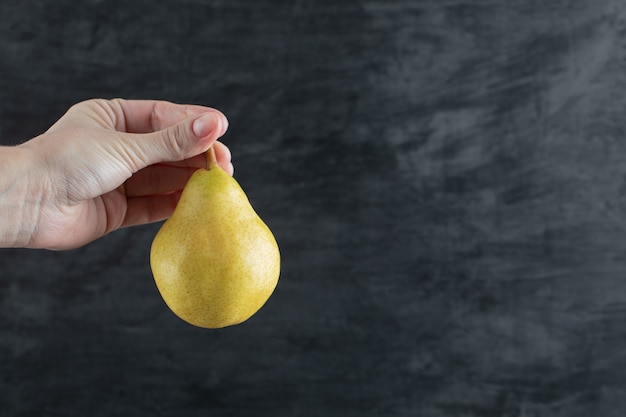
105,164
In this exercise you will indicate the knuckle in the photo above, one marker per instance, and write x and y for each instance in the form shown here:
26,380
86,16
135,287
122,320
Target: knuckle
157,115
176,140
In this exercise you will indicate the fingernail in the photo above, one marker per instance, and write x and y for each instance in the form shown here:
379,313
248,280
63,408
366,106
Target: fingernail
225,126
205,124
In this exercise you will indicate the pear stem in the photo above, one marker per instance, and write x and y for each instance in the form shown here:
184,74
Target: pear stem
210,157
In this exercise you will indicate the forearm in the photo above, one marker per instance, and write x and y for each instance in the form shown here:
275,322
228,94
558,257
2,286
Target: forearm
17,202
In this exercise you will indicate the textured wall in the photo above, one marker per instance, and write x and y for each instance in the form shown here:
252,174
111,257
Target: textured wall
446,180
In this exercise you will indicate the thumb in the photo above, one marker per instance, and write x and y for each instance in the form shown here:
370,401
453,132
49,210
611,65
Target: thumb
181,141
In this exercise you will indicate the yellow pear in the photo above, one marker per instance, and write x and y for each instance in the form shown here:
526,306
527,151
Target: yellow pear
214,261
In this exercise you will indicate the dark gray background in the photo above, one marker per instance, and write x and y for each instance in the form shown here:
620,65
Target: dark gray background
446,179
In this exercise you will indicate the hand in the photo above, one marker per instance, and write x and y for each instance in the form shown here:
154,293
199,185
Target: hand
106,164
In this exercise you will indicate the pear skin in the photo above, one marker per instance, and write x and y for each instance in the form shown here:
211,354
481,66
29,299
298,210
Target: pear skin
214,261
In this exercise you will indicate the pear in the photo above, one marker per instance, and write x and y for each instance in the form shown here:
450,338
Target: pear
214,261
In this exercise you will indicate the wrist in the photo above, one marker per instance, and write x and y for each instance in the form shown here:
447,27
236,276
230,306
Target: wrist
19,201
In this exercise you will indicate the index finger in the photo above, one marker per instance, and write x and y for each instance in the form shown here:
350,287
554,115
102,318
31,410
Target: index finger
146,116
